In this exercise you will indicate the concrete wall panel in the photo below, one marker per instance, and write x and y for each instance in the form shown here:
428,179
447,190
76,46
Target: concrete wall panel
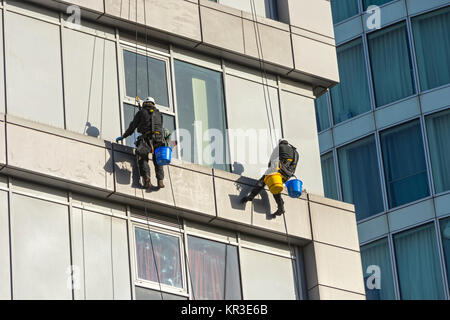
333,267
333,226
128,181
315,58
193,190
213,22
327,293
5,287
173,16
40,238
59,157
312,15
275,44
228,196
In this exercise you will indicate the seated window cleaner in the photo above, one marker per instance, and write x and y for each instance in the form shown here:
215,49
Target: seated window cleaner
282,165
149,123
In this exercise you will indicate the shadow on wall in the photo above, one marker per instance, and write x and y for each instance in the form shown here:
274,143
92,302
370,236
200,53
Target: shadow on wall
125,168
260,204
92,131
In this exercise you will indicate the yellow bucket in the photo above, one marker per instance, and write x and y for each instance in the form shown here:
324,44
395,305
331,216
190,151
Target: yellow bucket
275,182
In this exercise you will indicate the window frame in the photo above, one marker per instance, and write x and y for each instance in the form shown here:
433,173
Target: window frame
151,53
201,236
147,284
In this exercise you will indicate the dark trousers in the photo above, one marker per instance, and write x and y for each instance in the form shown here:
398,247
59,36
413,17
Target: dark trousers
143,149
259,187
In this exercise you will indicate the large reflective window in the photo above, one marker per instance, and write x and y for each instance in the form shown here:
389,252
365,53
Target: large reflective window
343,9
368,3
360,177
329,176
322,115
214,270
351,96
418,265
151,77
445,236
201,115
377,269
438,128
432,42
391,64
158,258
404,164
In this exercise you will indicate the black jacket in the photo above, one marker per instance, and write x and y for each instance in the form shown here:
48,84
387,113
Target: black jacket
146,121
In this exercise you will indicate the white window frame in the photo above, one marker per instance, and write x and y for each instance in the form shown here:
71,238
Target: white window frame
152,284
151,53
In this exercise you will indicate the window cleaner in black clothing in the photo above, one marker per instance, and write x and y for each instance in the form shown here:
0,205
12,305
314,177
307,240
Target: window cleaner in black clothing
284,159
149,123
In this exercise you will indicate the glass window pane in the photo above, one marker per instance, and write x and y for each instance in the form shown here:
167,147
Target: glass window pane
432,42
404,164
368,3
329,176
438,128
391,64
343,9
377,254
151,78
214,268
445,235
129,111
360,178
163,248
201,115
322,118
271,9
351,96
418,265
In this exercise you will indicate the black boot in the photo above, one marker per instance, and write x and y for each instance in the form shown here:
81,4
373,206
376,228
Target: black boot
246,199
280,204
147,183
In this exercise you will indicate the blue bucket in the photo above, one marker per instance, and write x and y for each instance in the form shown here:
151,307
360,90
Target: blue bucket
163,156
294,187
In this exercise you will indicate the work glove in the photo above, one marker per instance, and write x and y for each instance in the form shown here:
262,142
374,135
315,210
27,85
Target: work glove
119,139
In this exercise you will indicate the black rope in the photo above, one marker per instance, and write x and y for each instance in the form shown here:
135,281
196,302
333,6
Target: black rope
137,158
265,79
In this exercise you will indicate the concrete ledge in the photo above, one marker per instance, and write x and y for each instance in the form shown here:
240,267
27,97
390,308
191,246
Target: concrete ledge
90,166
326,293
58,157
333,267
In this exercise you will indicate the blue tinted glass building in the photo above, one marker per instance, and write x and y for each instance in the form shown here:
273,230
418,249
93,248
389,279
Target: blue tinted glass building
384,136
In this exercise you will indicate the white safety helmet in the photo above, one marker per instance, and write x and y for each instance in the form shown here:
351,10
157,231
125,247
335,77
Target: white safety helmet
149,101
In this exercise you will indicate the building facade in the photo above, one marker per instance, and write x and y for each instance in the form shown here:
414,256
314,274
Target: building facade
385,140
74,222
